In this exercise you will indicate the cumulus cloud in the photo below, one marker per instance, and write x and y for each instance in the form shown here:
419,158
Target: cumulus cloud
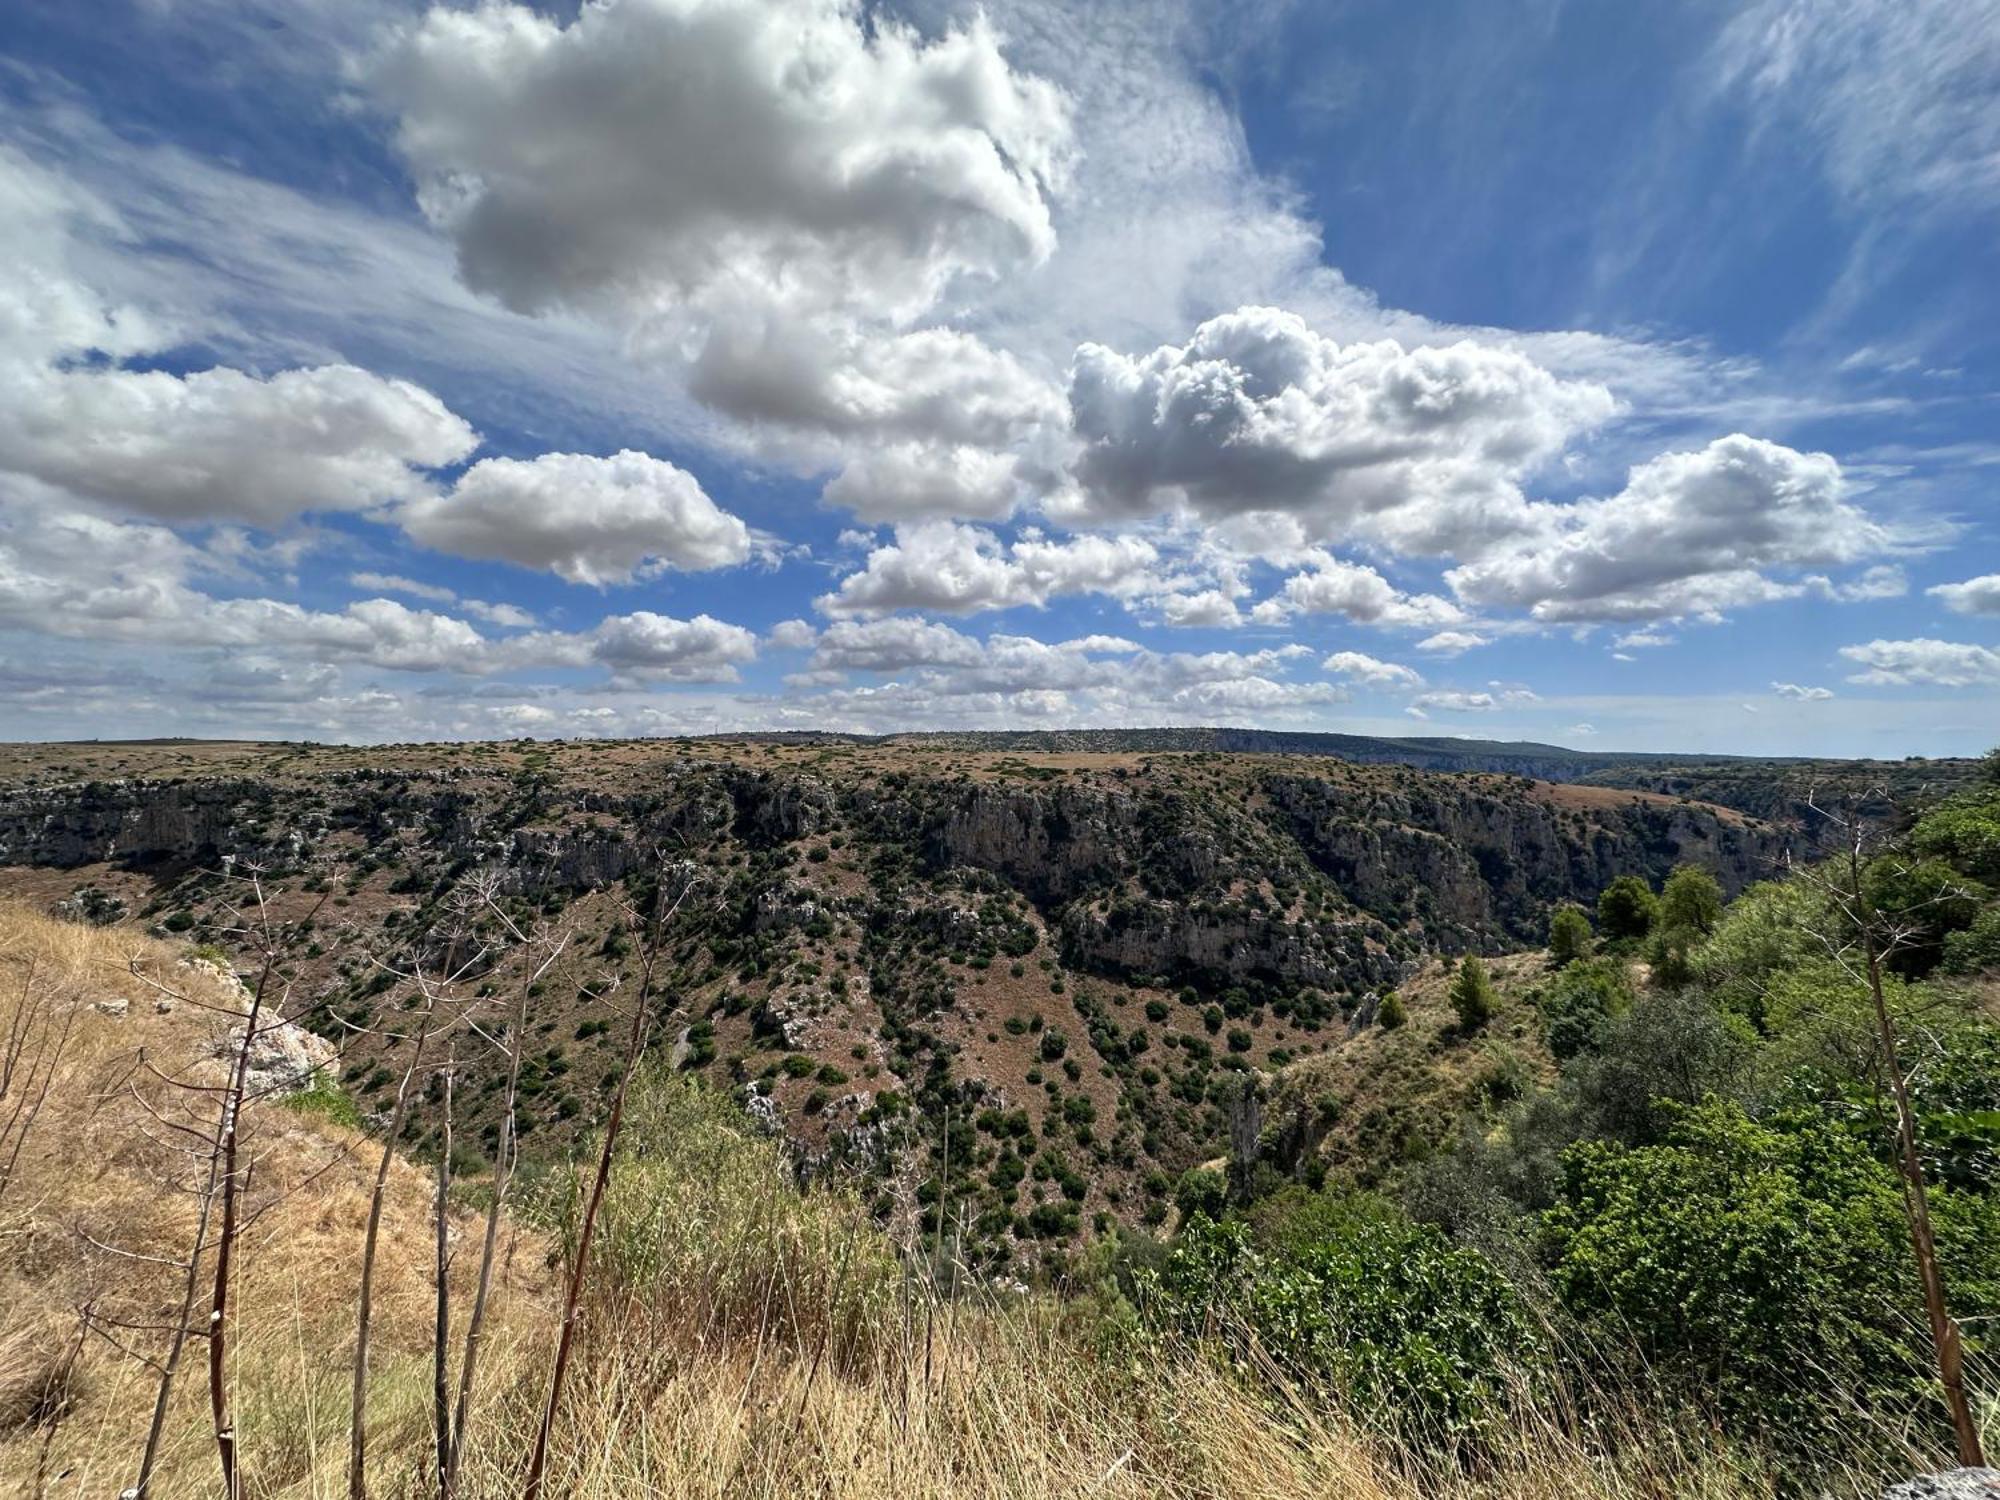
84,577
211,445
1422,448
1801,694
1457,702
957,569
1366,669
776,192
1690,534
1975,596
1209,608
1953,664
1452,642
1332,586
650,153
586,519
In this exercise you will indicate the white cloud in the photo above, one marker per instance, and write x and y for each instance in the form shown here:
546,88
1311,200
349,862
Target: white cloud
958,569
1885,581
1800,694
1690,534
395,583
1452,642
850,173
586,519
1975,596
509,616
1371,671
1457,702
644,647
1210,609
1953,664
211,445
792,635
841,164
1635,640
1331,586
892,645
1896,94
899,481
1421,448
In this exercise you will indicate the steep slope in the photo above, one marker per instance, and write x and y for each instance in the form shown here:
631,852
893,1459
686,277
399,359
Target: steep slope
1021,986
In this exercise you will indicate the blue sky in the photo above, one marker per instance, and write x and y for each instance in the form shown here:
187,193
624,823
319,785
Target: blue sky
1620,376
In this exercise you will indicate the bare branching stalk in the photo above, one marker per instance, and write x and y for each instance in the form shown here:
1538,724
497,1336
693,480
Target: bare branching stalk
1878,939
635,1047
357,1450
230,1186
441,1338
503,1178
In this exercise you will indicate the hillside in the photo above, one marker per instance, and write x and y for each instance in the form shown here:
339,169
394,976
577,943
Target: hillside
739,1340
912,960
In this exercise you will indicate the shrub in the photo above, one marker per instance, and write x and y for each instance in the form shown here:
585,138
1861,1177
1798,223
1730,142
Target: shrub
1472,994
703,1228
1347,1295
1391,1013
1570,935
1760,1265
1626,908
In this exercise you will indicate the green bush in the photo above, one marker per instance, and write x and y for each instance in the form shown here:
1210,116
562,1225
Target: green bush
1761,1266
1626,908
1348,1296
1570,936
1472,994
703,1228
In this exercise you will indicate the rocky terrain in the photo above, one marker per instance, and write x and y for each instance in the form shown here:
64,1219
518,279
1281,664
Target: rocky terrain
1017,991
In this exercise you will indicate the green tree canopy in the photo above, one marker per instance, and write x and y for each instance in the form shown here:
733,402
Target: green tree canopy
1625,908
1472,994
1570,934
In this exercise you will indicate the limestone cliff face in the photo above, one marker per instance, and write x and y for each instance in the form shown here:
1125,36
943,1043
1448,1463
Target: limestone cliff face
1298,876
1477,866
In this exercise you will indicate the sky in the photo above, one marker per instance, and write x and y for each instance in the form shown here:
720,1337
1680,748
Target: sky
1619,376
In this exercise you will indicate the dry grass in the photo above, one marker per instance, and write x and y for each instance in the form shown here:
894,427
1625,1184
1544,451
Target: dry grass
743,1340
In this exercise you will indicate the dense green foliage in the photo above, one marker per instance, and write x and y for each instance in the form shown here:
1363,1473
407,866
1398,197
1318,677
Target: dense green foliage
1626,908
1705,1204
1348,1293
1472,994
1570,936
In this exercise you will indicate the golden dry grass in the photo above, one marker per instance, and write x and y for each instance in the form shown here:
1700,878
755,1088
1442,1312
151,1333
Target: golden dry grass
742,1341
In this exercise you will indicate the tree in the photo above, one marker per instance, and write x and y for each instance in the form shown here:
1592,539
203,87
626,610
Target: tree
1741,1252
1472,994
1570,936
1391,1015
1691,900
1863,940
1626,909
1581,1002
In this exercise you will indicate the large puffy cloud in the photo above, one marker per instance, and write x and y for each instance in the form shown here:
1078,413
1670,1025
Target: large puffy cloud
1690,534
219,444
585,519
83,577
211,445
1953,664
1332,586
1259,412
1975,596
957,569
777,192
651,153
